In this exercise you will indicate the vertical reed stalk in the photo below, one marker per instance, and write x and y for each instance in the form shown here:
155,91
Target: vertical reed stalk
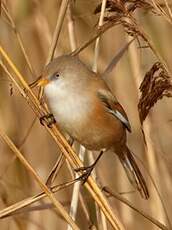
94,68
150,150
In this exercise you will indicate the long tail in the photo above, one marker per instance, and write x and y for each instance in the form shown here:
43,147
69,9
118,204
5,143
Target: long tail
133,172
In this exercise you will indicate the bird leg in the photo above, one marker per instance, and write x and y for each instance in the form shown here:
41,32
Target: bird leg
48,119
86,171
57,165
70,140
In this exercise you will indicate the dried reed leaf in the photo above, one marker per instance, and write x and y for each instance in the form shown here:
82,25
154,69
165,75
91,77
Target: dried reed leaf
155,85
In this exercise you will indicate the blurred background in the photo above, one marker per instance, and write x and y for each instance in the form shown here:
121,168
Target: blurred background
35,20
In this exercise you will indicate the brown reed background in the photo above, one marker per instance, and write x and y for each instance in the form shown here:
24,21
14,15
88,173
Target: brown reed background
35,21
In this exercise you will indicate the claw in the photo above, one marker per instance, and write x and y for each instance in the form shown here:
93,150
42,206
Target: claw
49,119
86,172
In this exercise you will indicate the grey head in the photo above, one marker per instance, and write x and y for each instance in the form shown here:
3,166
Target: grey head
65,76
66,67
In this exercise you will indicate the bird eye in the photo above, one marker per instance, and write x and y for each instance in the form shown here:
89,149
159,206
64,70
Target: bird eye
56,75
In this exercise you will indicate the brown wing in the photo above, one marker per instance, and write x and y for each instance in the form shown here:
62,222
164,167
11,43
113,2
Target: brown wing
113,107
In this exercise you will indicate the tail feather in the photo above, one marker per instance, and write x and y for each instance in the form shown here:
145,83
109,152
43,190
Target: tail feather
133,172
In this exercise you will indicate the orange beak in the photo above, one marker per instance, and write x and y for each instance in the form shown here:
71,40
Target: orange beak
43,82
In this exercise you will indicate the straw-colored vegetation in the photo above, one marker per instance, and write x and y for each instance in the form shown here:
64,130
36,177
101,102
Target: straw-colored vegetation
39,188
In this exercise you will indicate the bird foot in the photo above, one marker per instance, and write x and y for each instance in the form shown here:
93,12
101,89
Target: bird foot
48,119
86,172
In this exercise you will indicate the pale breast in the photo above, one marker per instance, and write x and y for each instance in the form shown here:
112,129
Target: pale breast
70,108
73,111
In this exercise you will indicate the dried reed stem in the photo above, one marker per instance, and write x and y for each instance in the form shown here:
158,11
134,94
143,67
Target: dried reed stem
71,28
150,150
162,12
27,133
142,213
169,9
17,207
18,36
81,199
58,206
59,23
100,31
97,44
57,30
157,190
94,68
62,143
56,168
76,189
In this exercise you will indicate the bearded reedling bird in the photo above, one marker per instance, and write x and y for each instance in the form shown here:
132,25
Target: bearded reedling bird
86,110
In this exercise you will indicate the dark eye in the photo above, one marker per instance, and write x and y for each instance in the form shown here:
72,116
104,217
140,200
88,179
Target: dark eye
56,75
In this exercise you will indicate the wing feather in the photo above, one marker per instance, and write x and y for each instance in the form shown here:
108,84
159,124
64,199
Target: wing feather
113,107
